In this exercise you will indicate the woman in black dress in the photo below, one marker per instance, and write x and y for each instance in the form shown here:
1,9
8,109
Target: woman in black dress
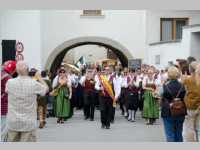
132,100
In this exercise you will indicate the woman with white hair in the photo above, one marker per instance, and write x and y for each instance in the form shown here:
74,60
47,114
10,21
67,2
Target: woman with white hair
192,101
22,104
173,91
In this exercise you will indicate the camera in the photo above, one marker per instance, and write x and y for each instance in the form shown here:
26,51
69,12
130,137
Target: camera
32,72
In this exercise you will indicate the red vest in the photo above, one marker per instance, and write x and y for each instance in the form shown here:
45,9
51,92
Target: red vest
88,85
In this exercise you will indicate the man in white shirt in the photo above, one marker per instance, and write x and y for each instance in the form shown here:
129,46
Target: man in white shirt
116,82
97,87
105,101
22,104
124,85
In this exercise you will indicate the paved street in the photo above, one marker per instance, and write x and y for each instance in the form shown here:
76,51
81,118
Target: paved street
79,130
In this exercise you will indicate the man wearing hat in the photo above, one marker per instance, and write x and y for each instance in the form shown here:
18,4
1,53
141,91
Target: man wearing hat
8,70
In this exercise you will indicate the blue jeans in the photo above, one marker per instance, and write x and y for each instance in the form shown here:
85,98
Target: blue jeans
173,128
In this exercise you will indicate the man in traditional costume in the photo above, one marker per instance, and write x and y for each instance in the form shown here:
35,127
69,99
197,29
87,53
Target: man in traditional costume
116,81
107,99
89,102
124,85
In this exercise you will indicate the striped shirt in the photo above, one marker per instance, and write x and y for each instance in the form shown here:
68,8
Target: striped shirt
22,103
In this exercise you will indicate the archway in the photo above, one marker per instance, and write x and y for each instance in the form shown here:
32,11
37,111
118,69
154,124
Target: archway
56,57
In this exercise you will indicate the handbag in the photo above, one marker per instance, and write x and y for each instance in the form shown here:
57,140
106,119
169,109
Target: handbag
177,107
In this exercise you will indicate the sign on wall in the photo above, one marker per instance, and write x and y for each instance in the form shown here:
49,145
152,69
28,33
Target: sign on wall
92,12
19,51
135,64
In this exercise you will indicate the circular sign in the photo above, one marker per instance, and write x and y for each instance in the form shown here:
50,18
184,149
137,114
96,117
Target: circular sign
19,57
19,47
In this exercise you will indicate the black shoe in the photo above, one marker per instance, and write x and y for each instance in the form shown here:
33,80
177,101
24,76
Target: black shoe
112,121
107,127
102,126
91,119
86,118
149,123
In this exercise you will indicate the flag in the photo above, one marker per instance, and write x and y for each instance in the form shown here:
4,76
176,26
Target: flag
80,62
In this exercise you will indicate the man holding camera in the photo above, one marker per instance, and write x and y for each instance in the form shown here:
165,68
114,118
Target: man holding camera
22,104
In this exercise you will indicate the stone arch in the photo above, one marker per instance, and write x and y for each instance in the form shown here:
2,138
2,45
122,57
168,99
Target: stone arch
59,52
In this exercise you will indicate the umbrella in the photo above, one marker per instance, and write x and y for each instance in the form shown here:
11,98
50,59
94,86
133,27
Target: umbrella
74,68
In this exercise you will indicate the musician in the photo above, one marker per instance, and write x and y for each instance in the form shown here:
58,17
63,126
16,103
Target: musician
124,88
105,100
115,81
132,97
74,80
89,102
139,76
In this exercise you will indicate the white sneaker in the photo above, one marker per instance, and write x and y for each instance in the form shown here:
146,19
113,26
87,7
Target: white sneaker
125,114
129,117
132,118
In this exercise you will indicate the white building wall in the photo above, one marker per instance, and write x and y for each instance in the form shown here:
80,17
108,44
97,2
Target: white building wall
169,51
23,26
195,44
126,27
42,31
153,21
188,46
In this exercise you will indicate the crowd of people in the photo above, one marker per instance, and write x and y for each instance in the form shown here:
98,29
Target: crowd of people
173,91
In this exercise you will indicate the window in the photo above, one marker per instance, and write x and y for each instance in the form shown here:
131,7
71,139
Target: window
171,28
157,59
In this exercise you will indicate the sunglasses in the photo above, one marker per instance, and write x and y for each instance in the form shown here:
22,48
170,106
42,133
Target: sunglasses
62,72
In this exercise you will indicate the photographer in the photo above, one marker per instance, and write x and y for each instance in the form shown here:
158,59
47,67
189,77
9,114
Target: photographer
22,111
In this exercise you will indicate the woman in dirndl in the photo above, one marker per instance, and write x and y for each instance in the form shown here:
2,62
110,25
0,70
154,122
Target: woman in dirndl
63,94
151,105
